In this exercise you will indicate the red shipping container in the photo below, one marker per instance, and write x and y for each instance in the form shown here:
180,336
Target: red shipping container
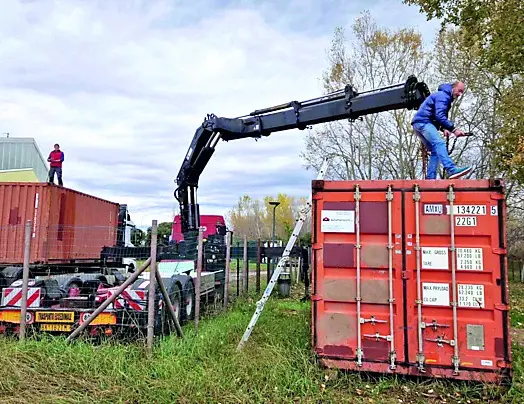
410,277
67,225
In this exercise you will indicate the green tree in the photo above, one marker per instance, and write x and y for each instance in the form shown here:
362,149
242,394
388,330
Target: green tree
496,31
163,233
496,27
254,218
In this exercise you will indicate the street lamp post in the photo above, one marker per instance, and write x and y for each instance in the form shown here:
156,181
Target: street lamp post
274,204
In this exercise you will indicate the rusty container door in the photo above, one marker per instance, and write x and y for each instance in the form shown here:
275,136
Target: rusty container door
357,297
79,225
67,225
457,296
20,202
410,277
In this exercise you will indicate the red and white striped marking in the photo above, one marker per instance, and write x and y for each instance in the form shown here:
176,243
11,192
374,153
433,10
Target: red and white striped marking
135,299
13,297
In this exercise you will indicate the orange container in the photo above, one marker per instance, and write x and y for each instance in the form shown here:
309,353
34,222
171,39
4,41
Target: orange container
410,277
67,225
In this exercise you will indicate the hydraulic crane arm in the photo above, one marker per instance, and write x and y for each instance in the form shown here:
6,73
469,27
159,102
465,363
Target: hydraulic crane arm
346,103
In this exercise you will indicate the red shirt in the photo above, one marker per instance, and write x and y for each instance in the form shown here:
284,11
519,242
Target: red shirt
56,155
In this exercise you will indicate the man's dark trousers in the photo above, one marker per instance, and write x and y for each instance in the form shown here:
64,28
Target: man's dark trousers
58,171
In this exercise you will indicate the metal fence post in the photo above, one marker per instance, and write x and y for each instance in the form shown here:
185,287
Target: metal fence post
228,268
238,271
25,278
152,289
199,272
246,266
258,266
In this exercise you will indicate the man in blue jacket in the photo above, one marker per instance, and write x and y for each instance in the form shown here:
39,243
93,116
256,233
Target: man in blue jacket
431,117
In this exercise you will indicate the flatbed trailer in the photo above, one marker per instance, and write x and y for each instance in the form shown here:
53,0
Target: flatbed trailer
59,304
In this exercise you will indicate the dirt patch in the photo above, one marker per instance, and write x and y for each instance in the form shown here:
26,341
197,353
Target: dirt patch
517,336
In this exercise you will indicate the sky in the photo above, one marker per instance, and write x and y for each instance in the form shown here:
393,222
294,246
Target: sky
122,86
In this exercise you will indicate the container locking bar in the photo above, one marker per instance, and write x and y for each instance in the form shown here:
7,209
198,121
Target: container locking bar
441,341
455,358
358,298
434,325
378,337
371,320
392,352
420,354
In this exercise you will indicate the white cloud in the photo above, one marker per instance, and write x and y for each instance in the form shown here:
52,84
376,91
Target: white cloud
122,86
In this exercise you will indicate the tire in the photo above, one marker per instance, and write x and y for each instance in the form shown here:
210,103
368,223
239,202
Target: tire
175,296
188,311
219,295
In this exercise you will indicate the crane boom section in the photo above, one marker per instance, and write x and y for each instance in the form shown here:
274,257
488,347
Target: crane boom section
346,103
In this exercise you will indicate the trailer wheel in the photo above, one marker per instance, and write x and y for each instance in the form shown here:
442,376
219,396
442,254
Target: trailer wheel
175,296
188,312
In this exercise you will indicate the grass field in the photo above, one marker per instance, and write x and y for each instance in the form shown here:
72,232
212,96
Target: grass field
276,366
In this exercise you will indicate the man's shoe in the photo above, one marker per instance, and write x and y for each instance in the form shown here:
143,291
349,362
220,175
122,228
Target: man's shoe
459,172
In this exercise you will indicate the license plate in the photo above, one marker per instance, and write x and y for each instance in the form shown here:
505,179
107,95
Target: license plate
10,316
102,318
55,327
55,316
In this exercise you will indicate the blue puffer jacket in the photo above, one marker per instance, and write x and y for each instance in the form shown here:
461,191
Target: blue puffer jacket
435,108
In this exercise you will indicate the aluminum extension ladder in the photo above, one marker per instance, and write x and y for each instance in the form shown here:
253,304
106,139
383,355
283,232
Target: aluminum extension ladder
281,263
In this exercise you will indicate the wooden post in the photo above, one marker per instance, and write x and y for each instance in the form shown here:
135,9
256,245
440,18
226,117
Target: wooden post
258,265
199,274
246,266
152,289
134,276
25,278
228,268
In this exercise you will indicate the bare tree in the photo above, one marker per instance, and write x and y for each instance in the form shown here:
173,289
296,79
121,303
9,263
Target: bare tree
377,145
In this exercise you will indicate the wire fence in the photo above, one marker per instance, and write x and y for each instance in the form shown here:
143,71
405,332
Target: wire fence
86,282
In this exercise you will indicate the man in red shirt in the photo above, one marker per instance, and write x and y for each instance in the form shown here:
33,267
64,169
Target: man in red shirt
56,157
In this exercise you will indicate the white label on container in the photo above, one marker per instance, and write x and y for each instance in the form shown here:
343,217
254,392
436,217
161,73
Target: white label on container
494,210
433,209
466,221
467,210
469,259
435,258
338,221
471,295
435,294
486,362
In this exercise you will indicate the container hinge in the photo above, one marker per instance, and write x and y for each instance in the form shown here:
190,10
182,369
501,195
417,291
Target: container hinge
378,337
502,307
392,360
441,341
503,364
499,251
406,275
456,362
497,197
416,194
371,320
316,298
389,194
359,356
433,325
420,360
